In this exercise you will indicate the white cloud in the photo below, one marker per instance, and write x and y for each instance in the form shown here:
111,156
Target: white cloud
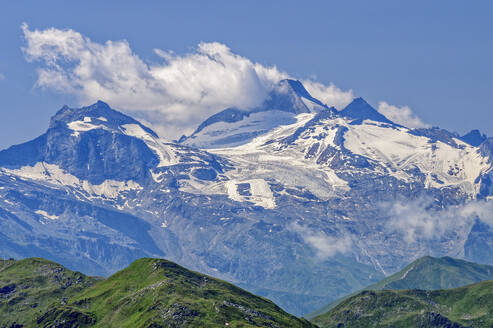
330,95
175,95
418,220
2,77
325,245
401,115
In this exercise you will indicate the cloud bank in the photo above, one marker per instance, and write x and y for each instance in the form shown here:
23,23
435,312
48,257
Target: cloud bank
325,245
174,95
418,220
401,115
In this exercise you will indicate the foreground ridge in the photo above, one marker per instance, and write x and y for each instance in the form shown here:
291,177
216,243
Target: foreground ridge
149,293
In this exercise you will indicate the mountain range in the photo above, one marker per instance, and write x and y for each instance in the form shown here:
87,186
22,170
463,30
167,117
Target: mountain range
294,200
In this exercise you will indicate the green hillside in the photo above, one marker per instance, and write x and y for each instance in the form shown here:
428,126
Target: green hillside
468,306
28,287
430,273
149,293
427,273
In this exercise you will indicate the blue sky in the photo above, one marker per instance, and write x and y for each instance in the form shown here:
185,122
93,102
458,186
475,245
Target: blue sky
433,56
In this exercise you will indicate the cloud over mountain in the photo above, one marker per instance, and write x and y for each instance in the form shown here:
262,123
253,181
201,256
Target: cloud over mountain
324,244
418,220
401,115
173,95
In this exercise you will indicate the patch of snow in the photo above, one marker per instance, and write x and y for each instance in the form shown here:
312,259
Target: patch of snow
53,174
47,215
260,192
83,126
165,153
313,107
157,177
110,188
405,273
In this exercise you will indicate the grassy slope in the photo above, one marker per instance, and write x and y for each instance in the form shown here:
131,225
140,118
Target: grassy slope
468,306
157,293
28,287
431,273
427,273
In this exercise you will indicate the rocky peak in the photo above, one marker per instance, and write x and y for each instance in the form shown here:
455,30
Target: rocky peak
291,96
97,115
360,109
474,138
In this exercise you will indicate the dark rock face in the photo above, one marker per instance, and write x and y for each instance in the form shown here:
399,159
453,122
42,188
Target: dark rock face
287,97
95,155
474,138
436,134
431,319
361,110
66,318
5,290
229,115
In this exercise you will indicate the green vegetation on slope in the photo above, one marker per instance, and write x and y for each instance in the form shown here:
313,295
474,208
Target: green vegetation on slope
28,287
156,293
427,273
430,273
468,306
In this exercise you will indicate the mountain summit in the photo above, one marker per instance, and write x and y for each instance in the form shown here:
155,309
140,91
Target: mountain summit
474,138
97,116
233,126
93,143
360,109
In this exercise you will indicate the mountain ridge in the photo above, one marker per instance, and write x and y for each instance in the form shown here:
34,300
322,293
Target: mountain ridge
149,293
360,109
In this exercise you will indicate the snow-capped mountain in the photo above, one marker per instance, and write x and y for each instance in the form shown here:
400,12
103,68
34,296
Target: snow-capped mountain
233,126
292,200
100,152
